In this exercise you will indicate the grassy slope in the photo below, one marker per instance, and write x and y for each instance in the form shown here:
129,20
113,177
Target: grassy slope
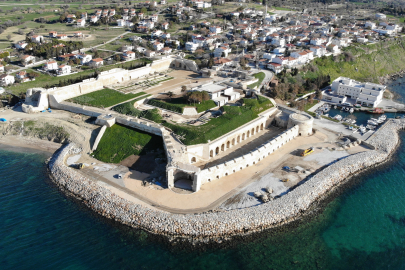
178,104
216,127
259,76
119,142
372,61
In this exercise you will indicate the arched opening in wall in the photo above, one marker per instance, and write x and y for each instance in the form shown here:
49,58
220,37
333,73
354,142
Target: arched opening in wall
217,176
182,181
211,153
122,78
257,129
223,147
217,151
238,139
240,168
233,141
259,159
254,162
209,180
247,165
233,170
226,174
193,159
300,134
248,134
228,144
253,131
261,126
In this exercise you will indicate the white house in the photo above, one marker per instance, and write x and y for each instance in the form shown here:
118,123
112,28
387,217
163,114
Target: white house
84,58
128,55
27,59
93,19
154,18
150,53
96,62
366,94
158,46
191,46
222,51
165,25
166,50
51,65
37,38
70,18
372,25
53,34
1,68
319,50
64,69
6,79
81,23
215,29
21,45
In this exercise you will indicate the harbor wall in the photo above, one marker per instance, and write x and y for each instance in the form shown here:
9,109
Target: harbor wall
222,224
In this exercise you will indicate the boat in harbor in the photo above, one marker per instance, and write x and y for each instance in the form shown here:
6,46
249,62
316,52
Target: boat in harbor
351,110
372,122
383,117
376,111
335,107
363,129
338,117
347,109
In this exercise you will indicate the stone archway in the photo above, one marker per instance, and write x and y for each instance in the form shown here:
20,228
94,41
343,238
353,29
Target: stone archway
228,144
217,151
193,160
261,126
212,153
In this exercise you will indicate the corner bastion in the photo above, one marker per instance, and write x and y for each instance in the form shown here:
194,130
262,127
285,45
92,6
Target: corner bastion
303,121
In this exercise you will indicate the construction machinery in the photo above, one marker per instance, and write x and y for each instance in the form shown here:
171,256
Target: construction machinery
308,151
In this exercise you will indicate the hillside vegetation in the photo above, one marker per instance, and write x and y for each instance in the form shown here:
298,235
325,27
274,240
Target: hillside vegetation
372,61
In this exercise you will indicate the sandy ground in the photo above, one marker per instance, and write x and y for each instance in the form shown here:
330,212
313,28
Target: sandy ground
235,190
13,142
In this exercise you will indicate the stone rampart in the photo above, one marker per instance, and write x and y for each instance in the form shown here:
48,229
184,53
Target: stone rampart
215,225
231,166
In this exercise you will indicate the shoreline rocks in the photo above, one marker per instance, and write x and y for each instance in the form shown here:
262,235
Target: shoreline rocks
224,224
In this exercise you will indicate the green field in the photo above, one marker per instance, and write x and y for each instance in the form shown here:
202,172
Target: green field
129,109
232,118
120,142
103,98
259,76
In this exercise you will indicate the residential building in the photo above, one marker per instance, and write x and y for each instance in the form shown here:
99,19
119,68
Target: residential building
78,34
51,65
84,58
70,18
219,93
128,55
380,16
166,50
62,36
366,94
53,34
22,76
1,68
64,69
6,79
165,25
191,46
158,46
21,45
222,51
98,62
150,53
215,29
27,60
154,18
81,23
94,19
37,38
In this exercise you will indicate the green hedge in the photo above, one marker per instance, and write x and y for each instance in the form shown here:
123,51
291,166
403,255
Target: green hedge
129,109
166,106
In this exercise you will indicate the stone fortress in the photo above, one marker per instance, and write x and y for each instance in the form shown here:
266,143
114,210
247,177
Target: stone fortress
180,158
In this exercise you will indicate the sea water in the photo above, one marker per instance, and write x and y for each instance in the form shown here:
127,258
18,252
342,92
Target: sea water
41,228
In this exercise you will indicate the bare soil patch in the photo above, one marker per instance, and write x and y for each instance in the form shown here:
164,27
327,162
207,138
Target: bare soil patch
144,163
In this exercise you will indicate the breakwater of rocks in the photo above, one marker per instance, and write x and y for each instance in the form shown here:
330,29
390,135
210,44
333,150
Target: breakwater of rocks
224,224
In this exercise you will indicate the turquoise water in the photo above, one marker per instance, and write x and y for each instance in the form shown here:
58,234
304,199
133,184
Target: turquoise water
40,228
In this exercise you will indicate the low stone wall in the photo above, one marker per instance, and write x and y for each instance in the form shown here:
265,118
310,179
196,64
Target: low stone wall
226,223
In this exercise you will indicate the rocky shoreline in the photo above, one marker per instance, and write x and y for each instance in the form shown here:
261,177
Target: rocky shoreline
224,224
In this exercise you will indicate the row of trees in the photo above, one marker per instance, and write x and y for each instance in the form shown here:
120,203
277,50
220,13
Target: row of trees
46,50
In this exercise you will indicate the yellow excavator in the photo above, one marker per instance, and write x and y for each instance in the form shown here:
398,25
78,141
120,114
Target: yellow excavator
308,151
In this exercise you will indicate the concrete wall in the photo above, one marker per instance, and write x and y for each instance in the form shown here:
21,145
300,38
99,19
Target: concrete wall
141,124
237,164
99,136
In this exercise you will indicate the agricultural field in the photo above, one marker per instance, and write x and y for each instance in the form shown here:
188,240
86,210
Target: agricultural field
103,98
232,118
120,142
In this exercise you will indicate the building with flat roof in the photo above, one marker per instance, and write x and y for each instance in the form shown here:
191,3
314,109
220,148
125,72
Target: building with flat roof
366,94
219,93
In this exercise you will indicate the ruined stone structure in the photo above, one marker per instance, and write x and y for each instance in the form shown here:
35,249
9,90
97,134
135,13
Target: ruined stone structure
303,121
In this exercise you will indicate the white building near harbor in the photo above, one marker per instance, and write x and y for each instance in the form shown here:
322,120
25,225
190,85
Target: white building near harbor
366,94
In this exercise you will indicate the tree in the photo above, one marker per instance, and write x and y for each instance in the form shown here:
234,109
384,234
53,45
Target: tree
8,37
144,10
183,88
170,94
